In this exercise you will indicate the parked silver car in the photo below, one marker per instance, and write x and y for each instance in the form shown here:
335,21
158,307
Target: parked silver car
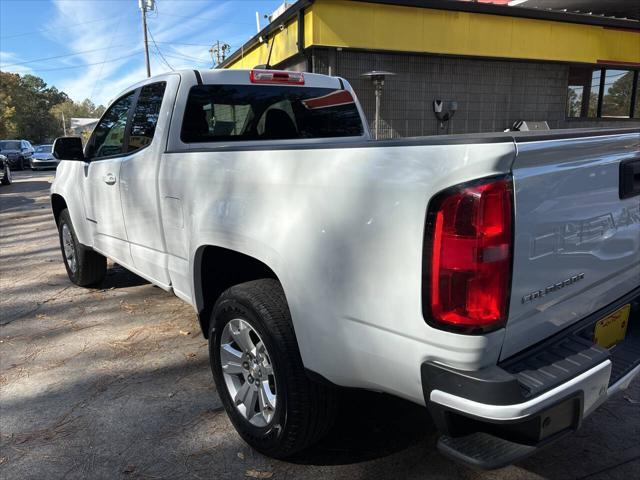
43,158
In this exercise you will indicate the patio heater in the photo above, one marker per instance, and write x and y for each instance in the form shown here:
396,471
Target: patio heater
377,77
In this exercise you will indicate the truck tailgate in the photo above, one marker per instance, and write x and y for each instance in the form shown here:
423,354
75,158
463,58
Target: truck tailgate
576,241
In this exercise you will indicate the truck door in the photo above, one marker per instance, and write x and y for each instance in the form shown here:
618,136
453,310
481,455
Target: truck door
104,153
139,178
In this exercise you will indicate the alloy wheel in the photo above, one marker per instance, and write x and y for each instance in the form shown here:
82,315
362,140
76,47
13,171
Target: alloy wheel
248,372
69,248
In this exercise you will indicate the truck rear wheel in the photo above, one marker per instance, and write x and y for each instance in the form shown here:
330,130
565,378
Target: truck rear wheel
259,374
85,267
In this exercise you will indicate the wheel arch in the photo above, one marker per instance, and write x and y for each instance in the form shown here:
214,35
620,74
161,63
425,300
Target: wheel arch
215,269
58,204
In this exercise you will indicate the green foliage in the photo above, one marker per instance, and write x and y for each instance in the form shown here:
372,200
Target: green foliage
574,102
69,109
31,110
8,83
617,100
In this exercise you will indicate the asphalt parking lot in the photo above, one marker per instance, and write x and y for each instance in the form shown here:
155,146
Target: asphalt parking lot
114,382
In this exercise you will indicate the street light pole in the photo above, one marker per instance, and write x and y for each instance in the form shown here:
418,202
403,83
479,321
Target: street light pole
144,6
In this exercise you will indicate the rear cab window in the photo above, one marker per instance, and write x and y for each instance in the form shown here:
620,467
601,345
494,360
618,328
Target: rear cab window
268,112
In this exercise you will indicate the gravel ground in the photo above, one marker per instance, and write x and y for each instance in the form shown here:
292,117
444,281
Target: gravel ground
114,382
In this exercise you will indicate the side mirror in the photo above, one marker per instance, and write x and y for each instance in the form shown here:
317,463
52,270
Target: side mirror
68,148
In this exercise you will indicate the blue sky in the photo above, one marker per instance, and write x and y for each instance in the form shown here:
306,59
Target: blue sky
99,42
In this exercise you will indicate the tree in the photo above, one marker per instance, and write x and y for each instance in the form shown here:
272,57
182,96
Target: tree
32,110
574,102
617,100
69,108
8,85
28,100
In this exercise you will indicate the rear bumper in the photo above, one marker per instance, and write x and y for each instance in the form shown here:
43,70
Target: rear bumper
44,163
534,398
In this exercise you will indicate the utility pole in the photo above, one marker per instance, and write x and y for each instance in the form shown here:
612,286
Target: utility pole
219,51
144,6
64,125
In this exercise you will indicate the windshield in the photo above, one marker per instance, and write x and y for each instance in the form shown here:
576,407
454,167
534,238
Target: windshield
43,148
9,145
255,112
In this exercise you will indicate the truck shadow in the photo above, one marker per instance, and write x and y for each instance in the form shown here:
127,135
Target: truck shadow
369,426
120,277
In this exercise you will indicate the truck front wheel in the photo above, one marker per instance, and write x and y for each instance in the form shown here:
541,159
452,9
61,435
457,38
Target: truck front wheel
84,266
259,374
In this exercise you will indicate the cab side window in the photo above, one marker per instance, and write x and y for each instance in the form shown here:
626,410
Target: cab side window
108,136
145,116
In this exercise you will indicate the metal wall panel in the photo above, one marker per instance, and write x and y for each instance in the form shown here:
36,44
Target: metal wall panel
491,94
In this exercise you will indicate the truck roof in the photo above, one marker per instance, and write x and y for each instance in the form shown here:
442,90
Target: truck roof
238,77
241,77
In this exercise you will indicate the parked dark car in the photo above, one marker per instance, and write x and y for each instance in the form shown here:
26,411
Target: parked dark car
5,171
43,158
18,152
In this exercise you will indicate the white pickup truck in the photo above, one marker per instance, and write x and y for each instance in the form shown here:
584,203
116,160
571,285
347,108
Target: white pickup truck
493,278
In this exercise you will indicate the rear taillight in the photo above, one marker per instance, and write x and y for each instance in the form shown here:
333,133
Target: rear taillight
468,255
276,76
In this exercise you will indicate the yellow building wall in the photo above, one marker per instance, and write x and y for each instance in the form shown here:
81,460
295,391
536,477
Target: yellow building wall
342,23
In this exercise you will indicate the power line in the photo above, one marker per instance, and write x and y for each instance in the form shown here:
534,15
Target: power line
86,64
190,59
159,52
194,17
99,76
190,44
31,32
61,56
186,57
219,51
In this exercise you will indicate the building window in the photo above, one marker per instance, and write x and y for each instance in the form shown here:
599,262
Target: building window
582,95
602,93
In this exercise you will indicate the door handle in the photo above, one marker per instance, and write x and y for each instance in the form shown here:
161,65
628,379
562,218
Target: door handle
109,179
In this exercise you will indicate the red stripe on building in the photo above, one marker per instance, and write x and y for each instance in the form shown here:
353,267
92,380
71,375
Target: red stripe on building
616,63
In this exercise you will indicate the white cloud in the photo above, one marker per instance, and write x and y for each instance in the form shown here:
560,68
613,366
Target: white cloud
10,58
103,77
107,40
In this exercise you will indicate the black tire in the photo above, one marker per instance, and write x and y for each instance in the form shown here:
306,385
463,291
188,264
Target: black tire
91,267
6,178
305,410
